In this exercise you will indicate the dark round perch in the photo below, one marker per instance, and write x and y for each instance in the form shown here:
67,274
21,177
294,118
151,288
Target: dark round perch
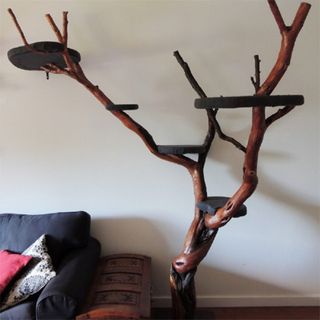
248,101
211,204
41,54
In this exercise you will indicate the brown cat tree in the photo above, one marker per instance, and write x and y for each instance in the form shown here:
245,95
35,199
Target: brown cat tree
211,213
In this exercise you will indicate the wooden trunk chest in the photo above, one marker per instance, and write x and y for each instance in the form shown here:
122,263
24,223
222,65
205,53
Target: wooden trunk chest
121,289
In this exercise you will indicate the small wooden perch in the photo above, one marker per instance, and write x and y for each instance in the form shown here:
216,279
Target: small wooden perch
210,212
249,101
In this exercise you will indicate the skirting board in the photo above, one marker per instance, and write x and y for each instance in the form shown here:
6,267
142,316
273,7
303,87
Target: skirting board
244,301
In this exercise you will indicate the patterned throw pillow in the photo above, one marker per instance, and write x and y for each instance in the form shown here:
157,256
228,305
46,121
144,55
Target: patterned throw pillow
36,275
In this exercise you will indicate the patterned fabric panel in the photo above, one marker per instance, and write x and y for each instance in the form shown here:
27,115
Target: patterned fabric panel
132,264
116,297
120,278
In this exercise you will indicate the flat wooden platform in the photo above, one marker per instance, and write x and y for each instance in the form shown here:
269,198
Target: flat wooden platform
44,52
248,101
181,149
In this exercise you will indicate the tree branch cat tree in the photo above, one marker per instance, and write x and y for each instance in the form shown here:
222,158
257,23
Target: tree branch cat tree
211,213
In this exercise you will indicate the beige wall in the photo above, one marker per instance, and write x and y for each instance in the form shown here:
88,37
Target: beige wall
59,150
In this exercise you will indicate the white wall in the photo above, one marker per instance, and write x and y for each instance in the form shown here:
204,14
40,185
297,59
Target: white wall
60,150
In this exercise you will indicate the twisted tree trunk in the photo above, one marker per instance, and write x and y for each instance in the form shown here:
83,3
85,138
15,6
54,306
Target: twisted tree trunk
204,226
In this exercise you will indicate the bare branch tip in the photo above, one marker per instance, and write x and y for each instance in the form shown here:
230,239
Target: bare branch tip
176,53
65,15
10,11
307,4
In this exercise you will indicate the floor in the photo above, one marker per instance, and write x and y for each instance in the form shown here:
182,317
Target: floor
266,313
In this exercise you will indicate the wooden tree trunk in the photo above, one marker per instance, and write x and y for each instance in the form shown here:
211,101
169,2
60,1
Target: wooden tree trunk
204,227
197,243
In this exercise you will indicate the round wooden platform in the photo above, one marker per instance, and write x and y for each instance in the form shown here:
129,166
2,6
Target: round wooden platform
45,52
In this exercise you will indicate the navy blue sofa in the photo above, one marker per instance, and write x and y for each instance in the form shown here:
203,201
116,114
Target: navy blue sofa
74,254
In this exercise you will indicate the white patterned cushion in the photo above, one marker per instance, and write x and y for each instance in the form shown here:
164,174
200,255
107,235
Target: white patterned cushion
36,275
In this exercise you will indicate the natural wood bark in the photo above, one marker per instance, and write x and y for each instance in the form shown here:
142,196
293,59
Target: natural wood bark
213,122
204,227
259,123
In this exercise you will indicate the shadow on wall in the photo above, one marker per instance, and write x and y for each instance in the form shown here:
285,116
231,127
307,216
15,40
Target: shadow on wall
215,287
219,288
232,289
128,234
233,158
140,236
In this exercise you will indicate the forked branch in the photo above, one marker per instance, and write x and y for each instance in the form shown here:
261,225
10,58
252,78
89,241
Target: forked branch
211,113
75,71
288,35
278,114
259,123
277,15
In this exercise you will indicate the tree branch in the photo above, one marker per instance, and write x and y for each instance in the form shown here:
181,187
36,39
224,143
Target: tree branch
256,81
75,71
195,85
52,68
54,28
223,136
211,113
278,114
259,123
289,36
65,28
18,27
299,19
24,39
277,15
63,39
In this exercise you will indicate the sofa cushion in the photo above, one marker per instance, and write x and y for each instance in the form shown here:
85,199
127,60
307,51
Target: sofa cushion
22,311
10,265
34,277
64,295
64,230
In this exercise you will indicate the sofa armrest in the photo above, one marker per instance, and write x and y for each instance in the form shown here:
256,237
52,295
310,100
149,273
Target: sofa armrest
65,293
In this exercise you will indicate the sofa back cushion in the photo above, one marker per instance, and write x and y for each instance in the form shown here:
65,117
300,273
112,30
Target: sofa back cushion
65,231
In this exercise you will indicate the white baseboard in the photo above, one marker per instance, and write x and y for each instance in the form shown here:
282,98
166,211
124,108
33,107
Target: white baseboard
244,301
